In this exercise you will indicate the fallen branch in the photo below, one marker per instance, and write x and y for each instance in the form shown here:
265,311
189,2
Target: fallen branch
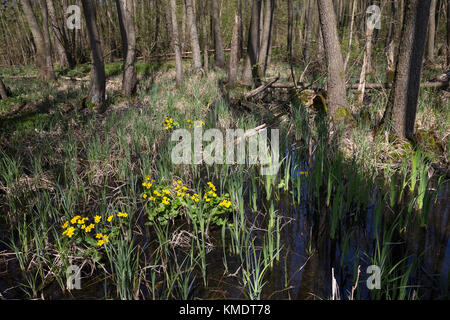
260,89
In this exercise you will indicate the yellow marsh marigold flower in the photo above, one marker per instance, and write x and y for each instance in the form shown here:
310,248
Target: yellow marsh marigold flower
225,203
98,235
69,232
65,225
147,178
152,198
144,196
110,218
166,191
100,242
156,192
212,186
106,238
122,214
97,219
165,200
74,219
89,227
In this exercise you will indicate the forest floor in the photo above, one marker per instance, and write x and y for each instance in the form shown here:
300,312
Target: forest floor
59,160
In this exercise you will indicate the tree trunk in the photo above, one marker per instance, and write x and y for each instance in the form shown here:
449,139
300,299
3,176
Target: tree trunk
232,74
46,33
240,32
218,43
176,43
308,33
350,41
402,104
448,34
205,37
128,33
431,31
3,90
97,91
251,69
335,66
196,54
60,44
169,26
366,67
265,42
44,62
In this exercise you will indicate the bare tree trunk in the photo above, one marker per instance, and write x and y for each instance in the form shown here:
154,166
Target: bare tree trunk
308,33
196,54
183,28
232,74
402,104
169,26
129,80
337,97
205,37
365,70
251,69
45,68
290,35
267,28
448,34
431,31
218,43
3,90
240,32
46,34
350,41
59,41
176,43
97,91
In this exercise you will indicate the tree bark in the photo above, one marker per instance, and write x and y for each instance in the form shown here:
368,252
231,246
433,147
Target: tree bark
205,37
431,31
251,69
308,33
196,53
402,104
265,37
176,43
3,90
98,85
46,33
366,67
350,41
448,34
44,62
127,28
335,66
60,44
219,56
232,74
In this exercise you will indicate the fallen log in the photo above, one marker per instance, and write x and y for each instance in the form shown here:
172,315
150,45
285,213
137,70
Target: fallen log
260,89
